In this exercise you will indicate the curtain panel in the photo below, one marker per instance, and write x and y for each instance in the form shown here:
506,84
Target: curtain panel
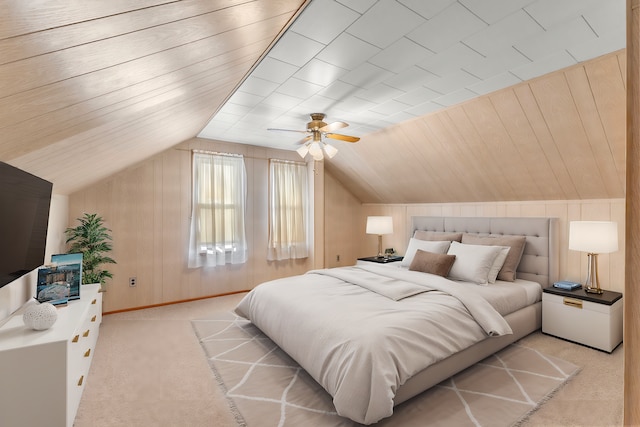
288,210
217,232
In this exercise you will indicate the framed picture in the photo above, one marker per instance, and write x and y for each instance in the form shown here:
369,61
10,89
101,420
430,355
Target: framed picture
71,264
52,285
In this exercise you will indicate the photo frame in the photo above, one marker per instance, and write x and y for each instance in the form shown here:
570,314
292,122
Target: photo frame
71,264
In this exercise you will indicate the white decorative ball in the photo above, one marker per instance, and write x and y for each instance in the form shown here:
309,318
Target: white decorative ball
40,316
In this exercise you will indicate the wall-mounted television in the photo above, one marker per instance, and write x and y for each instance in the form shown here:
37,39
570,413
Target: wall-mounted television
25,200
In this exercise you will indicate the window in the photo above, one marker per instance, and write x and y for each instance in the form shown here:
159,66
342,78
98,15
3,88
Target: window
217,234
288,210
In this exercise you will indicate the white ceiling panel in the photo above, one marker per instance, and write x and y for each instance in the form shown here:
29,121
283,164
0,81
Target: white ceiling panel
246,99
560,37
418,96
550,13
273,70
411,78
373,63
456,97
299,88
379,93
427,9
514,29
360,6
257,86
401,55
296,49
347,51
496,63
320,72
281,100
553,62
384,23
450,60
366,75
453,24
492,11
494,83
601,46
389,108
452,82
335,19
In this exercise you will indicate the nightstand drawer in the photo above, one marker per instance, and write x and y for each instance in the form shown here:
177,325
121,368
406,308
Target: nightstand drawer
585,322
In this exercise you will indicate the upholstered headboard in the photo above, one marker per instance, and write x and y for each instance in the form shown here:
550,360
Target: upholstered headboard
539,262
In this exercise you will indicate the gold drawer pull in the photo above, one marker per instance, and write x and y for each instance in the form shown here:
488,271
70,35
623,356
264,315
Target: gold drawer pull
93,319
76,338
94,301
80,380
86,333
87,353
573,302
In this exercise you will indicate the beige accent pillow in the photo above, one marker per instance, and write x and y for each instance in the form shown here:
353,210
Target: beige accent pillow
432,263
517,243
437,235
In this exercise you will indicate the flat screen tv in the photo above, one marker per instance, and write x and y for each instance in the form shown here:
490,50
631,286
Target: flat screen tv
24,217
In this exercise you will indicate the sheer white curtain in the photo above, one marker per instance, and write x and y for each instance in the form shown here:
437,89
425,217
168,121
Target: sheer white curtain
219,196
288,210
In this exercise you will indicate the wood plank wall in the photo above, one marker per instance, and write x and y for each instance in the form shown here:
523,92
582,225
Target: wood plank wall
557,137
148,208
632,287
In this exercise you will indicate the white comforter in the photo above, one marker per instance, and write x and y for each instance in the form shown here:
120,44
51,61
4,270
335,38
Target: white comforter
361,332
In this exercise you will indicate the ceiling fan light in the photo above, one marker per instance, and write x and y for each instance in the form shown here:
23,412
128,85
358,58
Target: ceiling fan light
303,151
315,151
330,150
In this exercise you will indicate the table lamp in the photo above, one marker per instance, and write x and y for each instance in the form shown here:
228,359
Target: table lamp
593,237
379,225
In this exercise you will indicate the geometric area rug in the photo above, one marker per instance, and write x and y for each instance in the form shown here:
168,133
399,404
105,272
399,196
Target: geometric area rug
266,388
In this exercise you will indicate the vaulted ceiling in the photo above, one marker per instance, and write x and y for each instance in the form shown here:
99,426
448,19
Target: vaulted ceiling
86,92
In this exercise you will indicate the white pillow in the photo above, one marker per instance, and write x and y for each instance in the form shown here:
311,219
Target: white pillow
473,262
498,263
426,245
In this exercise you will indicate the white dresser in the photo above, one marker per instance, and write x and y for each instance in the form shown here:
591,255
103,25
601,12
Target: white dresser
43,373
590,319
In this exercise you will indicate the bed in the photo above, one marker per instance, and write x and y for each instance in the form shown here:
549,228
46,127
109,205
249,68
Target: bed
376,335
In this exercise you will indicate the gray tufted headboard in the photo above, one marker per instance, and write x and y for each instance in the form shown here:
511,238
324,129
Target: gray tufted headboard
540,261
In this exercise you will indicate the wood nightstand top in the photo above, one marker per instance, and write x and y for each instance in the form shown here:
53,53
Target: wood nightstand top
382,260
607,297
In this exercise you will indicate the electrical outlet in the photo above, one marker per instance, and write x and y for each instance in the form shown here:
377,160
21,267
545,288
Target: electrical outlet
133,281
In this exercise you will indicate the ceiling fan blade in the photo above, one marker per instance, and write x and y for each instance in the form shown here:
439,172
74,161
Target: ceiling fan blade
305,139
288,130
333,126
346,138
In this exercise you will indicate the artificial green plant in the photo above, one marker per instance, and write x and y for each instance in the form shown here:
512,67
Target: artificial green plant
93,240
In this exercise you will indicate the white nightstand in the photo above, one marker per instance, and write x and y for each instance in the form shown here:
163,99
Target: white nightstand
590,319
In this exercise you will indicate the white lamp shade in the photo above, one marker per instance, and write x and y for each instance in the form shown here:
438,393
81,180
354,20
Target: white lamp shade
303,151
379,225
597,237
314,149
330,150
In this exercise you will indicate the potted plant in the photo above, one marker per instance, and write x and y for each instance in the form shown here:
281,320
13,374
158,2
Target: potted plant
93,240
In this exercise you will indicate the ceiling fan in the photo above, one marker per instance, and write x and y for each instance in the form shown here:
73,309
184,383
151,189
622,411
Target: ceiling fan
313,143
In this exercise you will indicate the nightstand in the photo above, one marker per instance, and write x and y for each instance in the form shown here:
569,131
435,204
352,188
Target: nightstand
589,319
381,260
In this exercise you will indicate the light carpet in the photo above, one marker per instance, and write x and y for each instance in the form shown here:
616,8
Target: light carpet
265,387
